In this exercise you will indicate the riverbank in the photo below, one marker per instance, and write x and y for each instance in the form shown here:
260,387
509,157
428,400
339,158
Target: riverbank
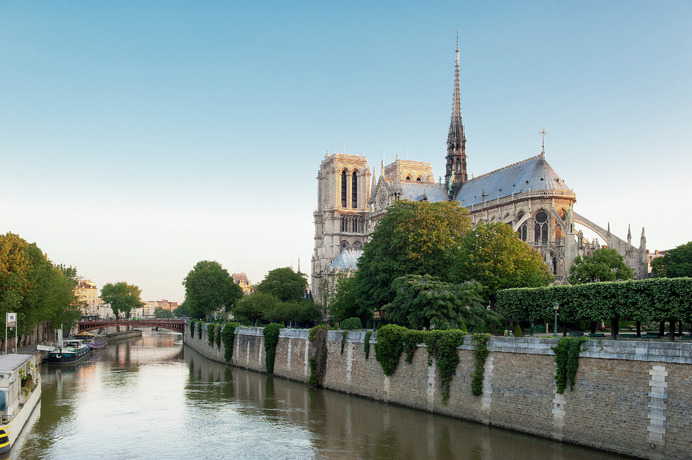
630,397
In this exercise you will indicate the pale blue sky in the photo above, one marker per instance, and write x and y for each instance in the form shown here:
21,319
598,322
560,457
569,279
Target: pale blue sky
137,138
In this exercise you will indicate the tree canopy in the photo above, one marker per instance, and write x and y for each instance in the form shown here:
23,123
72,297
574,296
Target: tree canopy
284,284
210,289
33,287
603,265
260,306
676,263
162,313
493,255
413,238
425,302
343,304
122,297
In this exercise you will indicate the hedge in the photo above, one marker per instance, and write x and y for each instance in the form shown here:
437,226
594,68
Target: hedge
656,299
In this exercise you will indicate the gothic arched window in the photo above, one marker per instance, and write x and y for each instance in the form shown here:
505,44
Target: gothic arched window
344,188
540,229
354,190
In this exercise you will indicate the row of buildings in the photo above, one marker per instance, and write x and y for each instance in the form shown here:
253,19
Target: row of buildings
87,292
529,195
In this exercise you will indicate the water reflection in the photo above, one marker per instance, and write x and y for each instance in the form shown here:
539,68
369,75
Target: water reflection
343,426
153,398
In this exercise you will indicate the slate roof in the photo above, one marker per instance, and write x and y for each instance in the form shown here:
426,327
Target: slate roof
347,259
415,191
532,174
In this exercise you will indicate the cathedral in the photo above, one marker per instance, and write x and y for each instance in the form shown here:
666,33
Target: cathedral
528,195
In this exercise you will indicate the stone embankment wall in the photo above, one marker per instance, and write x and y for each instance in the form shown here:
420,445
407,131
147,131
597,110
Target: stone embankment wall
631,397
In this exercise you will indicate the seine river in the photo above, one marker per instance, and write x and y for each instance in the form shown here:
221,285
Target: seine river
151,398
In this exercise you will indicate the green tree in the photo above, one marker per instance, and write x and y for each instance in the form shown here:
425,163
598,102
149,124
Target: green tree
210,289
676,263
253,308
493,255
413,238
162,313
284,284
122,297
425,302
33,287
181,311
602,265
343,304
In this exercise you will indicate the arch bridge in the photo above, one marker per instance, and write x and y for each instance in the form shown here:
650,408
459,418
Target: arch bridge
177,325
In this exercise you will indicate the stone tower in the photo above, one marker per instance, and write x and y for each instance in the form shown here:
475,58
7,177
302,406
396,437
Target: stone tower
341,218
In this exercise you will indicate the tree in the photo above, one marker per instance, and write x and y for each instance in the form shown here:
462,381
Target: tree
33,287
602,265
425,302
122,297
209,289
676,263
493,255
253,308
162,313
284,284
181,311
413,238
343,304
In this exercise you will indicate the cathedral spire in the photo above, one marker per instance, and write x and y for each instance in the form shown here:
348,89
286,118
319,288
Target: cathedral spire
456,140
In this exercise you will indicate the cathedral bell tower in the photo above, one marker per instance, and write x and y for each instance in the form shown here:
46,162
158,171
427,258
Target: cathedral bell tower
456,140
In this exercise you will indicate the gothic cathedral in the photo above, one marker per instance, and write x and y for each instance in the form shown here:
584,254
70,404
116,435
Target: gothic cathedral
528,195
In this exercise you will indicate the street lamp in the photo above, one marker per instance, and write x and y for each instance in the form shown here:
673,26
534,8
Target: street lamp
556,307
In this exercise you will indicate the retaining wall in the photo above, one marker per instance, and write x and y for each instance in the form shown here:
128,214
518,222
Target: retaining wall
630,397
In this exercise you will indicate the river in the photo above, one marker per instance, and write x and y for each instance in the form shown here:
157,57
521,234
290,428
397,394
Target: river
150,398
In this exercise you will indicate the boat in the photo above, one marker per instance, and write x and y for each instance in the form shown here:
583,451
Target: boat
94,341
71,351
20,392
68,351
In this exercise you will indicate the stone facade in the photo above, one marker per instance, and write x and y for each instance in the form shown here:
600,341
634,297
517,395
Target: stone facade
630,397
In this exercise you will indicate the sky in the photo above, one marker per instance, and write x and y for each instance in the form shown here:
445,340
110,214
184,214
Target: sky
138,138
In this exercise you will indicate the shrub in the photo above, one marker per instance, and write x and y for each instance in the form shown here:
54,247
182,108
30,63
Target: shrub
390,344
217,335
366,344
344,336
351,323
442,345
271,339
318,362
210,334
480,353
228,337
517,331
567,361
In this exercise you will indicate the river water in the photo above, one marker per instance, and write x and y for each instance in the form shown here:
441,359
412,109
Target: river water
151,398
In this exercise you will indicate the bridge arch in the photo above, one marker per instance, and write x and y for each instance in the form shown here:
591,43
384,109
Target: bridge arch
177,325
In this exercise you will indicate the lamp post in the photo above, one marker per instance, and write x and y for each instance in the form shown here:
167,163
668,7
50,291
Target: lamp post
556,307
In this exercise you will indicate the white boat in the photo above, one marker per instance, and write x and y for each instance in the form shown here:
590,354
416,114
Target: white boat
20,392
